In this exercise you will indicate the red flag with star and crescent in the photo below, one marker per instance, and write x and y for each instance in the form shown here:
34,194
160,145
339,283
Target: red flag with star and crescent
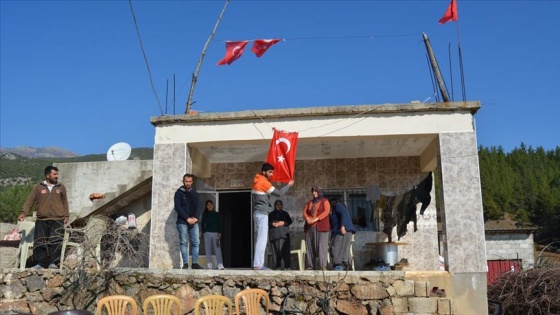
260,46
234,50
282,155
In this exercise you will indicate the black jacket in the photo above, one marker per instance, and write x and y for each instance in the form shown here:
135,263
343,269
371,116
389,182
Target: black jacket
187,205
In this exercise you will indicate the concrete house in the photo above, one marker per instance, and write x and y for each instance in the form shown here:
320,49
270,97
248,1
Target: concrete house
509,246
345,150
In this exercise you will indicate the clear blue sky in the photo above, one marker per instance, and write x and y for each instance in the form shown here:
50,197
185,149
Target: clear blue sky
73,75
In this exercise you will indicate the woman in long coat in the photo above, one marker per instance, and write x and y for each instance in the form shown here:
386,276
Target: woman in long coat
317,230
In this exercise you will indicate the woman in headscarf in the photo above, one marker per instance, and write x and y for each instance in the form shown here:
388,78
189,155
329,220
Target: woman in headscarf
317,230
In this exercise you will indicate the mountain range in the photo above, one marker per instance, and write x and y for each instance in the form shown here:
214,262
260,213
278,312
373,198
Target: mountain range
30,152
24,165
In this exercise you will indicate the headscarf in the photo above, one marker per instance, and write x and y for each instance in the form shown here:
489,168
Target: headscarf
319,191
278,202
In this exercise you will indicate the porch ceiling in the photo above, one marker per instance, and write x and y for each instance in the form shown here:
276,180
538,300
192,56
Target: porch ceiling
318,148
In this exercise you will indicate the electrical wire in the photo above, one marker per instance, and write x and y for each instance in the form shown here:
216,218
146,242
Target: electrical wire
323,125
329,37
145,57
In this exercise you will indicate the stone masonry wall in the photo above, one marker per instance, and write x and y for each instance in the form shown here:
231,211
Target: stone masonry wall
44,291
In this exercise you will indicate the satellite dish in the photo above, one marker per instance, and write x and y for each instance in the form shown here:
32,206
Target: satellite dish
119,152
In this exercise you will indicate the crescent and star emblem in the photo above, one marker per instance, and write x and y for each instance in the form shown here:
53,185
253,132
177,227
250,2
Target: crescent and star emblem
286,141
281,157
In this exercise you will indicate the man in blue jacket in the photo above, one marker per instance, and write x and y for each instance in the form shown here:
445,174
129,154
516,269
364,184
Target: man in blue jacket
342,230
187,205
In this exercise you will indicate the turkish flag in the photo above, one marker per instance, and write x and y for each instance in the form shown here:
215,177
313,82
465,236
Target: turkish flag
234,50
260,46
451,13
282,155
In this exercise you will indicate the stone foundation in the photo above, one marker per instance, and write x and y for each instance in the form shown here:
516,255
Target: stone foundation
44,291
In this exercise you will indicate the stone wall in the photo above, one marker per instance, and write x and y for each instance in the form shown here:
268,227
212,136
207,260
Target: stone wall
44,291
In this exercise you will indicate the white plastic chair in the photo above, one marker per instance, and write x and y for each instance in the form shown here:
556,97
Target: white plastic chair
27,231
300,254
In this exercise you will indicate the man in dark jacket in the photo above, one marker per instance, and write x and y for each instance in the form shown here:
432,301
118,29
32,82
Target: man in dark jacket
52,215
342,230
187,206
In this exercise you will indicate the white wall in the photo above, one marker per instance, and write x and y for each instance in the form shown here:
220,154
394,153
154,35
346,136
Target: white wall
83,178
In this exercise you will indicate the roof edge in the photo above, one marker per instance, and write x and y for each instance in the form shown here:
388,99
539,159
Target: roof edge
342,110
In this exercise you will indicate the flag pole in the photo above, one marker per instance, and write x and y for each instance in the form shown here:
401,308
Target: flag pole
461,71
199,65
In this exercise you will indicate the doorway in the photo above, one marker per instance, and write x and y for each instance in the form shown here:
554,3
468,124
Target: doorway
237,227
236,220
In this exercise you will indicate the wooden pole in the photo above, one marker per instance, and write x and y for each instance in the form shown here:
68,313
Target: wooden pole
199,65
435,68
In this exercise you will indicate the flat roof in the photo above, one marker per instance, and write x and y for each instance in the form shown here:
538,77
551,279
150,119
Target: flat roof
338,110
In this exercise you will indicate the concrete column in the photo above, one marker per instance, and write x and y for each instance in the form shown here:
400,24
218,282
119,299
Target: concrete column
463,222
171,162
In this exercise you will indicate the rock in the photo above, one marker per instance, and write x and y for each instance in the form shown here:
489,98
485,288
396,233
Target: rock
42,308
14,307
351,307
35,283
374,291
55,281
13,291
50,293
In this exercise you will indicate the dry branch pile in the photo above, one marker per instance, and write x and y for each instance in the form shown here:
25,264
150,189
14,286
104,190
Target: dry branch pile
531,292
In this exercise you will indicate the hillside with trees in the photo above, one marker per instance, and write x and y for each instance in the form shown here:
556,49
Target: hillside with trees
525,183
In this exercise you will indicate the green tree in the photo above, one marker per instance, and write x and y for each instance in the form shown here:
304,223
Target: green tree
525,183
11,202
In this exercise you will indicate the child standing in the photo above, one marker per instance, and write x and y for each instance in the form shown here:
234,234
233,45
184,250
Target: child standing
211,229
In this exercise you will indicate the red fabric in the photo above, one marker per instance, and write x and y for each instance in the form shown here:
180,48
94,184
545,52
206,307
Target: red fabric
234,50
451,13
282,155
260,46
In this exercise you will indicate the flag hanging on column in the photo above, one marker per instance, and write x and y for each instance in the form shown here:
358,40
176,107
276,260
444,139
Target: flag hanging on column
234,50
282,155
451,13
260,46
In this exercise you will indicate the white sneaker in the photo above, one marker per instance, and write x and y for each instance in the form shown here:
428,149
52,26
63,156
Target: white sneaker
53,266
37,266
221,267
209,265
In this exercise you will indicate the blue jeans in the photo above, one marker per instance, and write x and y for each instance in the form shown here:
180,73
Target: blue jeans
186,232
